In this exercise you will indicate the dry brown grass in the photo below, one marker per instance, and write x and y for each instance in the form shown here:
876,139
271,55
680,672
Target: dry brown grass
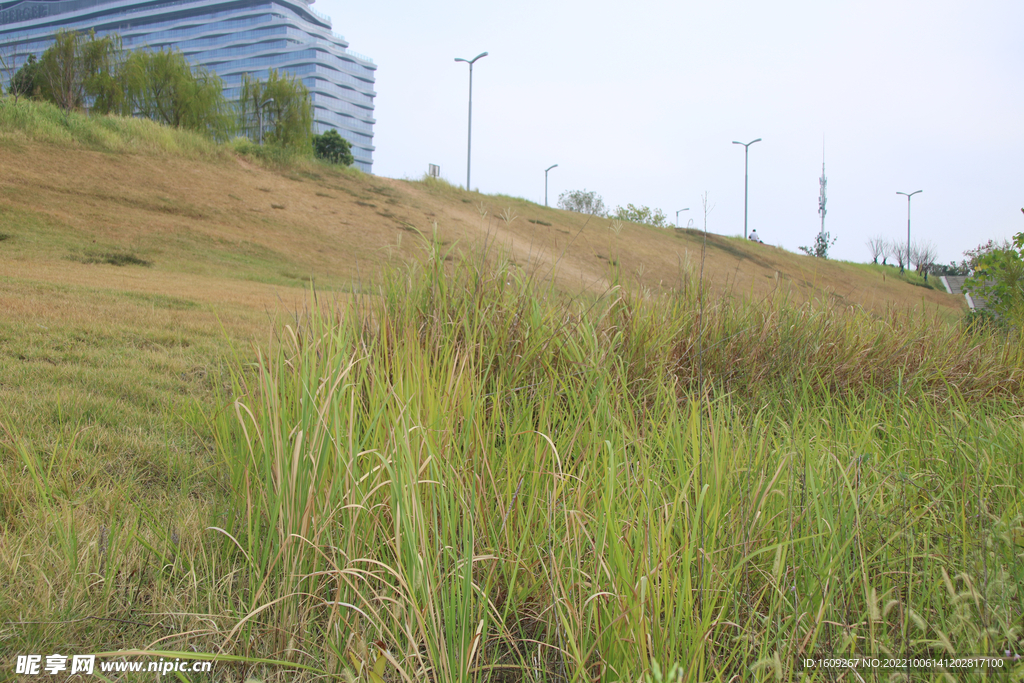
213,220
19,302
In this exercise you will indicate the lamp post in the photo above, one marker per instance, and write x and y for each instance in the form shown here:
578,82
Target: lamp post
908,196
259,113
677,215
469,144
546,182
746,150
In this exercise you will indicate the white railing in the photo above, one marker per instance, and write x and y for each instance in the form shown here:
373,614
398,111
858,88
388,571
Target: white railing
359,55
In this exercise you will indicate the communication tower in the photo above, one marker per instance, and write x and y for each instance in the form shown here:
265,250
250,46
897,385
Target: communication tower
822,181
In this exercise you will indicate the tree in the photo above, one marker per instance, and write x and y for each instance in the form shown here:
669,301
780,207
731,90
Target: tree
974,256
898,250
333,148
164,87
78,69
582,201
284,105
642,215
821,246
999,277
103,72
25,82
921,256
62,71
967,265
876,245
887,251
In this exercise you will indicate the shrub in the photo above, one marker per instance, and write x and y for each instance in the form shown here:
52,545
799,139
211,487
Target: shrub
333,148
999,277
582,201
821,246
25,82
643,215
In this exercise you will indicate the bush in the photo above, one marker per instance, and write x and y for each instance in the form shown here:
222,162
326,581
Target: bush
951,269
999,277
333,148
582,201
272,155
981,319
821,246
26,81
643,215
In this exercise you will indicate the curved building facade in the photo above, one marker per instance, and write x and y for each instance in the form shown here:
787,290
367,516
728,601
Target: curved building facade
227,37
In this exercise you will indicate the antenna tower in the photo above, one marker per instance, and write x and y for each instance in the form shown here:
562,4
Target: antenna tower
822,181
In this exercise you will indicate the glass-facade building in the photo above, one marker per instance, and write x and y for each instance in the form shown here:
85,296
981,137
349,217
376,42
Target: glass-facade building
227,37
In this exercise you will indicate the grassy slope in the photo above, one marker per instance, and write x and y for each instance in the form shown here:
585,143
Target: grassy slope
219,218
104,369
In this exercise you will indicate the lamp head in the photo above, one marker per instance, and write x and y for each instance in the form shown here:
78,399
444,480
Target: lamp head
470,61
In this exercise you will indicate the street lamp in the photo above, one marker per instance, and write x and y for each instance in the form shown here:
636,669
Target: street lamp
259,113
469,144
546,182
677,215
908,196
746,150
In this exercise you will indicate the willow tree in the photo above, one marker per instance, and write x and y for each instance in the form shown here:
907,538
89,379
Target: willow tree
78,69
103,63
164,87
281,105
61,72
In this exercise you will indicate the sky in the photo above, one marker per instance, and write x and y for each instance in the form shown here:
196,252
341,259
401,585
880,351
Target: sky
641,102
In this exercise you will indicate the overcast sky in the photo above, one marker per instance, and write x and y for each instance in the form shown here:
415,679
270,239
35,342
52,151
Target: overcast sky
641,101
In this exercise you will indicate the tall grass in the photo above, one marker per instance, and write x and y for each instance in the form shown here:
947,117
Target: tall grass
30,120
442,187
44,122
467,477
